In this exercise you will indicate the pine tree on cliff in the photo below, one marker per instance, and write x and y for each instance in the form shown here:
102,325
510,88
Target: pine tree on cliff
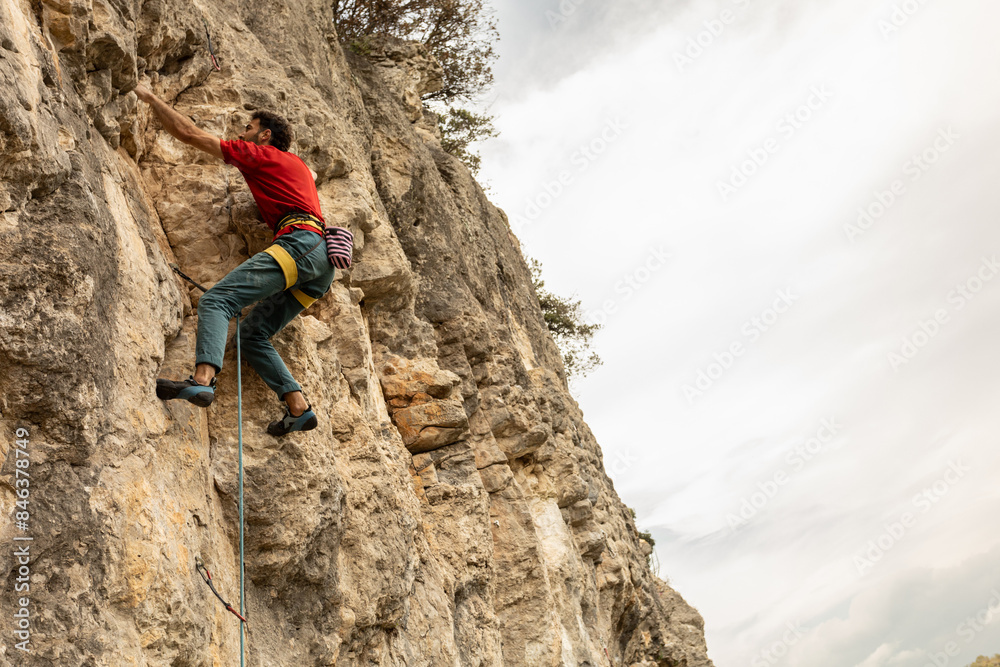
461,34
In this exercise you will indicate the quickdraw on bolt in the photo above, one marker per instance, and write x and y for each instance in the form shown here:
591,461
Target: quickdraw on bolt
215,61
206,576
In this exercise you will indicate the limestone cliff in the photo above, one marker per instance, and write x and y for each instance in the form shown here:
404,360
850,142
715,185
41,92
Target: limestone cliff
452,508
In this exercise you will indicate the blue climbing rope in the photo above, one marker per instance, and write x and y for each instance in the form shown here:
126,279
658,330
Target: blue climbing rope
239,431
199,563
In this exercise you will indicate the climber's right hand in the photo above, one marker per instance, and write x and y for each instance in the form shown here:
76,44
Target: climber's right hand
143,93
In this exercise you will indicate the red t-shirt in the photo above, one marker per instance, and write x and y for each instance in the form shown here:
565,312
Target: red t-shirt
279,181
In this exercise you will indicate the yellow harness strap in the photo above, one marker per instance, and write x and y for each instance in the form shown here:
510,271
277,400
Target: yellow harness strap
286,263
303,298
291,272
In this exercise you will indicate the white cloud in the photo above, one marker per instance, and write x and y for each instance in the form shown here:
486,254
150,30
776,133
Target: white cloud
654,186
913,617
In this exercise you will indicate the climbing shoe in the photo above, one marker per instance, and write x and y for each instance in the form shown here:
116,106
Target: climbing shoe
189,390
305,422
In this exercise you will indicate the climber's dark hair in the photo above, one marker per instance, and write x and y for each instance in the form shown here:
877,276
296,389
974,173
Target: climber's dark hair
281,131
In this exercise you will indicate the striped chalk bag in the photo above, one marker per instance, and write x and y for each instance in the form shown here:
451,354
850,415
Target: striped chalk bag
339,246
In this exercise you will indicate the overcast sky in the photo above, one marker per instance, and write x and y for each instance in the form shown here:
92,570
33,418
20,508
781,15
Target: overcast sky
785,214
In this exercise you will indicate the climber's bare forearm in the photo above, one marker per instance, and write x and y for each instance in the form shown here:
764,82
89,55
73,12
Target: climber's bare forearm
174,123
178,125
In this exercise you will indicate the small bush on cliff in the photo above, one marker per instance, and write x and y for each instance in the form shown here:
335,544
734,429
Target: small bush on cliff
461,34
361,46
459,129
564,319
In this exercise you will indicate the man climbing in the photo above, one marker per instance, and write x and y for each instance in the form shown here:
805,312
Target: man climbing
285,278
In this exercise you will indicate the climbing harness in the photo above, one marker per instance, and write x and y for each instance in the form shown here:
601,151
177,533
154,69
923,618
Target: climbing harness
215,61
339,241
297,218
285,259
199,564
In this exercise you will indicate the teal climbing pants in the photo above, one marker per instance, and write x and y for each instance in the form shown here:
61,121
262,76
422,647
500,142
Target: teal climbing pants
283,280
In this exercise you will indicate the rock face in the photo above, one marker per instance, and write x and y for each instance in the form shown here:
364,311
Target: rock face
451,509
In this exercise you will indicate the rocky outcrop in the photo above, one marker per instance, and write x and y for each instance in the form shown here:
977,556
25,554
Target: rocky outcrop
451,509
